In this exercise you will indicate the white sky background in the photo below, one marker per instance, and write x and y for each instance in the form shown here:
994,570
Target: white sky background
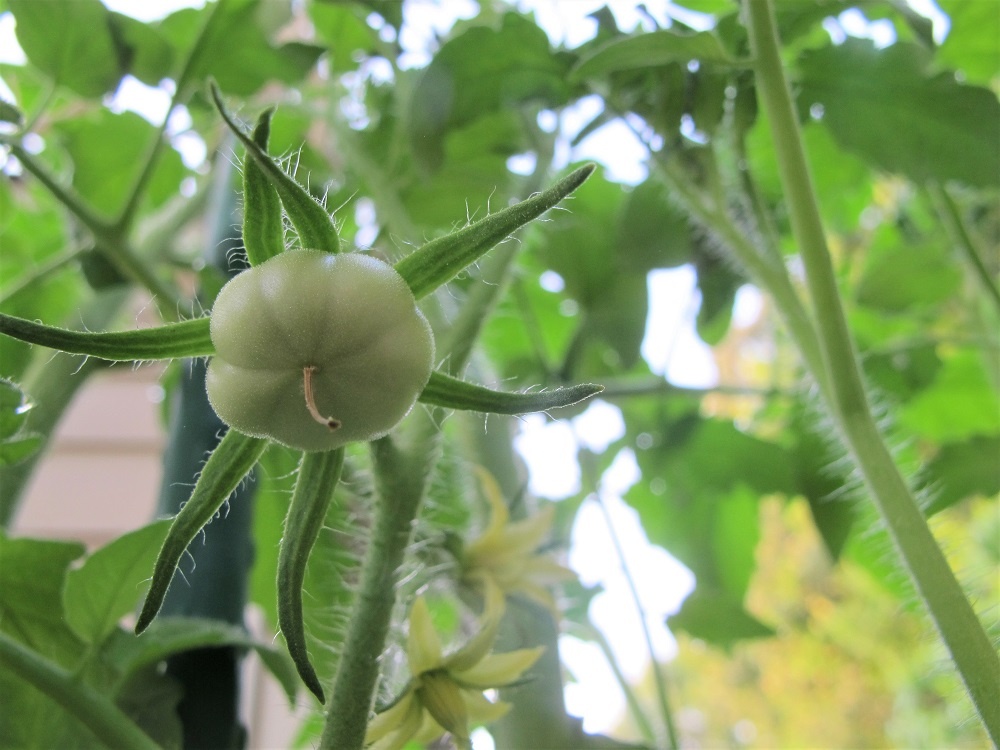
671,346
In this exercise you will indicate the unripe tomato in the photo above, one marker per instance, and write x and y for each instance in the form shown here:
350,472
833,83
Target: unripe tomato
316,350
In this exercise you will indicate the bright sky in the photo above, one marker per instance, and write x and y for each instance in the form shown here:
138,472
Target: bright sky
671,347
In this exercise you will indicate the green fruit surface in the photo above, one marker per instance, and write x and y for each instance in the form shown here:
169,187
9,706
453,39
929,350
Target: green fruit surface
350,316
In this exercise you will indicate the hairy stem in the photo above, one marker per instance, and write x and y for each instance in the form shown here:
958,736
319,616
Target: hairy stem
402,478
951,611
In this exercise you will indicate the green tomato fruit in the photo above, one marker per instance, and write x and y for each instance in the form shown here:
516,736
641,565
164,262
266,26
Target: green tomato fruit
316,350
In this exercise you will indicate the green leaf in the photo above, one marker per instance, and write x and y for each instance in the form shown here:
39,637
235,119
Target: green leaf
735,534
31,580
108,152
13,450
143,50
109,583
962,470
440,260
973,42
14,407
189,338
718,618
718,283
480,71
313,224
345,33
617,317
92,709
882,105
908,278
173,635
71,41
961,403
820,476
650,50
235,50
452,393
652,233
10,113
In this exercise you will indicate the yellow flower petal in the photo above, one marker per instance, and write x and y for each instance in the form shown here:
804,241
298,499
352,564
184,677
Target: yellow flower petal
513,542
389,719
423,647
443,700
480,643
482,711
499,513
497,670
395,735
429,730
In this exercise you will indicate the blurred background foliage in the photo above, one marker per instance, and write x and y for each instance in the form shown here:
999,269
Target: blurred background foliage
801,630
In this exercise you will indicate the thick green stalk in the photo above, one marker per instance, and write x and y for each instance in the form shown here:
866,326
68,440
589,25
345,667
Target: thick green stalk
402,478
102,717
951,611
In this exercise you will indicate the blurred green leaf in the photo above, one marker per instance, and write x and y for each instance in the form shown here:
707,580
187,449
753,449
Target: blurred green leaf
481,71
345,33
109,583
653,49
884,106
907,278
10,113
142,49
32,572
973,42
108,151
14,407
962,470
71,42
236,51
717,618
652,232
959,404
172,635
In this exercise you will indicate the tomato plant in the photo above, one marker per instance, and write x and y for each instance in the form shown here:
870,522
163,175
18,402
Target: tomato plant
331,435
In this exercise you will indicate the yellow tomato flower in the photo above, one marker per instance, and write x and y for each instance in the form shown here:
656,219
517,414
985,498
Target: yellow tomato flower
445,692
508,554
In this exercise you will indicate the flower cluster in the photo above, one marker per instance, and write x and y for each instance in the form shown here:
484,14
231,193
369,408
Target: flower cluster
445,691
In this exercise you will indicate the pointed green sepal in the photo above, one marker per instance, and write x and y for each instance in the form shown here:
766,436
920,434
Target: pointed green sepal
440,260
189,338
313,224
233,458
318,476
263,230
444,390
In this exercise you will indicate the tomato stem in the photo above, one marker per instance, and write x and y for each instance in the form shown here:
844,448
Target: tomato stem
330,422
